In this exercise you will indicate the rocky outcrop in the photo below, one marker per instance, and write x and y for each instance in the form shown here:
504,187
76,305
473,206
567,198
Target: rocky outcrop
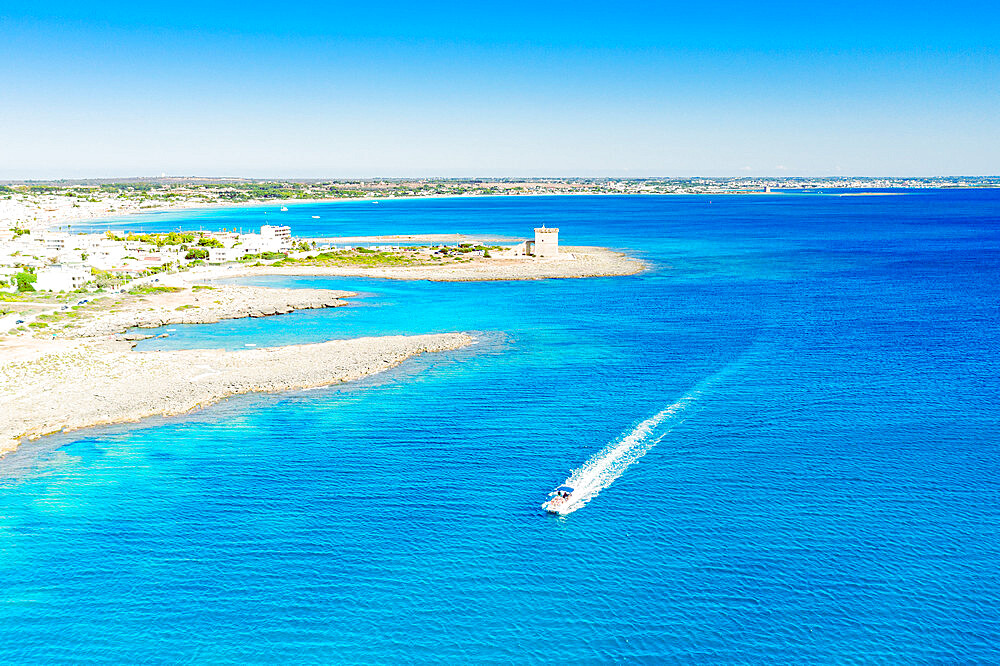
203,306
91,382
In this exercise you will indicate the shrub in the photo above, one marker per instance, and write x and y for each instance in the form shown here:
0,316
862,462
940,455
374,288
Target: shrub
25,281
146,289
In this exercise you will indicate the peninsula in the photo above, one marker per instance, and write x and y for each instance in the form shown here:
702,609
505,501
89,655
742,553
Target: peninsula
77,263
70,304
82,371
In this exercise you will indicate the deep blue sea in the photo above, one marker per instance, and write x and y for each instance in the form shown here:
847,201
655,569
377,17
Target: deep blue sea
824,486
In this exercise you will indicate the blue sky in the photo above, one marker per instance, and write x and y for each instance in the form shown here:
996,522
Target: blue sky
500,89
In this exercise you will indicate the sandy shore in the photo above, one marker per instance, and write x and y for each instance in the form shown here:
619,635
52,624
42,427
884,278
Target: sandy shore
76,384
47,211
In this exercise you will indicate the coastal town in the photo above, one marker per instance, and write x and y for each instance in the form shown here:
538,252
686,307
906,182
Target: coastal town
63,261
41,204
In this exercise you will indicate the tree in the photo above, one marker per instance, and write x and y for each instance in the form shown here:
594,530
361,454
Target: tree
196,253
25,281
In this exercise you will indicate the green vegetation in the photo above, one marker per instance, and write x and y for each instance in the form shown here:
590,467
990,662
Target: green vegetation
202,287
210,242
266,256
44,297
149,289
264,191
159,240
38,324
196,253
105,279
357,257
153,270
465,248
185,307
26,281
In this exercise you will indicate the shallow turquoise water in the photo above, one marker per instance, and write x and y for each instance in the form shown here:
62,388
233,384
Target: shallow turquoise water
831,495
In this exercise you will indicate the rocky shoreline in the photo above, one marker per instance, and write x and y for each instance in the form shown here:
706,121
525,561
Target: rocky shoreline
203,305
93,382
572,262
81,371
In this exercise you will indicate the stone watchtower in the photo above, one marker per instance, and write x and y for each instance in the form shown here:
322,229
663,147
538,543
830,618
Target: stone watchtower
546,242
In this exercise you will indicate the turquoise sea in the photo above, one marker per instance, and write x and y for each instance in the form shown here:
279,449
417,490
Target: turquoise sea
820,481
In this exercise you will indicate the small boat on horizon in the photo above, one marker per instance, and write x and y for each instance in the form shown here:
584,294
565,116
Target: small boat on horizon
284,209
315,217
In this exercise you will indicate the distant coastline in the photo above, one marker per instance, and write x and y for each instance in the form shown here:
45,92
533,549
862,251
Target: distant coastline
45,204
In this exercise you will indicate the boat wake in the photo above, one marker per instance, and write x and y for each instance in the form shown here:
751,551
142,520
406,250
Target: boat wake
601,470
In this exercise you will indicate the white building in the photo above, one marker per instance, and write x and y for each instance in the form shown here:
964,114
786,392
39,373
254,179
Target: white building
61,278
277,237
55,241
221,255
546,242
270,239
106,254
